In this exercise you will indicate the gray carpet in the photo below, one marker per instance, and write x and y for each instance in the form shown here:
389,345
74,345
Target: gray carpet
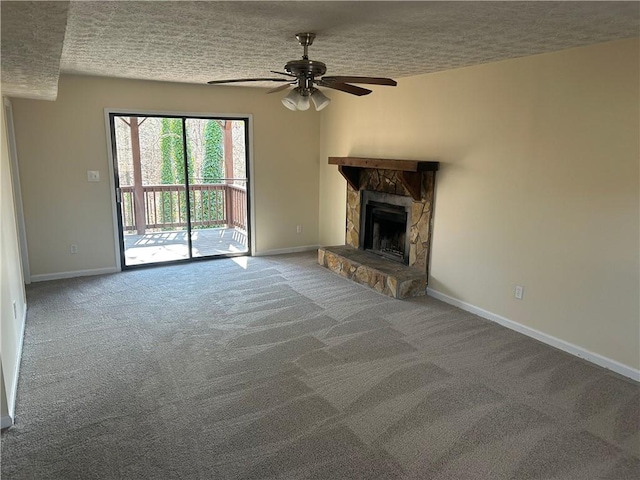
284,370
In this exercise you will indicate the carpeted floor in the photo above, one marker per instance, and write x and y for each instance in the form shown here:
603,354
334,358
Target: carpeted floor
277,368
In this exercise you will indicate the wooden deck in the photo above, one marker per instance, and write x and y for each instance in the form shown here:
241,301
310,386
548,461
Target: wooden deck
172,245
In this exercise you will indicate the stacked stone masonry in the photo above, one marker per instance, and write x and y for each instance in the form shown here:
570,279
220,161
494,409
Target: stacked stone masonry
386,277
386,181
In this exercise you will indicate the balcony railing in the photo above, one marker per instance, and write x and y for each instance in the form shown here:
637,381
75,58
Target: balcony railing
165,206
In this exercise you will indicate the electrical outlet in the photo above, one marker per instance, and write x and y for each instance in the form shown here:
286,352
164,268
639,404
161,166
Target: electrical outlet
93,175
73,249
299,229
519,292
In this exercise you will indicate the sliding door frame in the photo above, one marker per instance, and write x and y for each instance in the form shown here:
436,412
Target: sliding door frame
111,113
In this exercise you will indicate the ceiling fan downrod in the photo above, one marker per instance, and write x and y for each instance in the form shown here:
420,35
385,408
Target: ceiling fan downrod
305,39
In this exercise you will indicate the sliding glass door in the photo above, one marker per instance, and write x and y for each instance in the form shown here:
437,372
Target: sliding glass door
181,187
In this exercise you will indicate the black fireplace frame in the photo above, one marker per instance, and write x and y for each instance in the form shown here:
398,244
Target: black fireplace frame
369,199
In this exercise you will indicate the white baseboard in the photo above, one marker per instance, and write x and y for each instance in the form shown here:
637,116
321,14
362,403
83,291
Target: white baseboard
43,277
282,251
599,360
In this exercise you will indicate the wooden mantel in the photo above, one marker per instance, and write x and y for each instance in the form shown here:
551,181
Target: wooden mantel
409,171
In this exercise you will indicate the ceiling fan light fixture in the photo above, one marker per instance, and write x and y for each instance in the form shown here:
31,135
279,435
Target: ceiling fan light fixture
291,100
303,102
320,100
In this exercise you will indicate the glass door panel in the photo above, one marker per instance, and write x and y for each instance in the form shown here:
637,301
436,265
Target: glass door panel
218,188
152,199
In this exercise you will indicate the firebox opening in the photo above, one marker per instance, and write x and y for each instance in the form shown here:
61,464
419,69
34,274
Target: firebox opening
388,234
384,226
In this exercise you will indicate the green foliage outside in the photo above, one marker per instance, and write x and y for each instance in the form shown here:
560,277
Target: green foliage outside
212,170
177,150
167,177
172,172
172,169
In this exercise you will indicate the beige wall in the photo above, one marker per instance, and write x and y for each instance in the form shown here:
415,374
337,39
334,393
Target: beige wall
11,279
59,141
538,185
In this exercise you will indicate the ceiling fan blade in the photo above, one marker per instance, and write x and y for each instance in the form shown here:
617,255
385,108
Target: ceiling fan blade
368,80
238,80
283,73
281,87
345,87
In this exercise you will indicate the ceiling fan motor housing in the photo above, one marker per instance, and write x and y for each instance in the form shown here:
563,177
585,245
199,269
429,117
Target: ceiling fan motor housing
305,70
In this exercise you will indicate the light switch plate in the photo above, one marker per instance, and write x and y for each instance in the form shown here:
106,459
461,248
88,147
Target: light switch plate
93,175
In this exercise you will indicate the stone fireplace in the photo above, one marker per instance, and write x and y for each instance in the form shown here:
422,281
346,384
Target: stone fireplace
388,231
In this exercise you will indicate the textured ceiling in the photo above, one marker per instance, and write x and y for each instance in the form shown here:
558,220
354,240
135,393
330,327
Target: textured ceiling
31,37
199,41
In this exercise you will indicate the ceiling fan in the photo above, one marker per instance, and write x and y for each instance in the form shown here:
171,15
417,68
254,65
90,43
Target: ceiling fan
306,74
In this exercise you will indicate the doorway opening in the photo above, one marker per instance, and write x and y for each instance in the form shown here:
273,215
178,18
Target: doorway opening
181,187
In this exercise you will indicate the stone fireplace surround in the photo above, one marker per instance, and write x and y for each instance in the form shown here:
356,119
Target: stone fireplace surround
408,178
